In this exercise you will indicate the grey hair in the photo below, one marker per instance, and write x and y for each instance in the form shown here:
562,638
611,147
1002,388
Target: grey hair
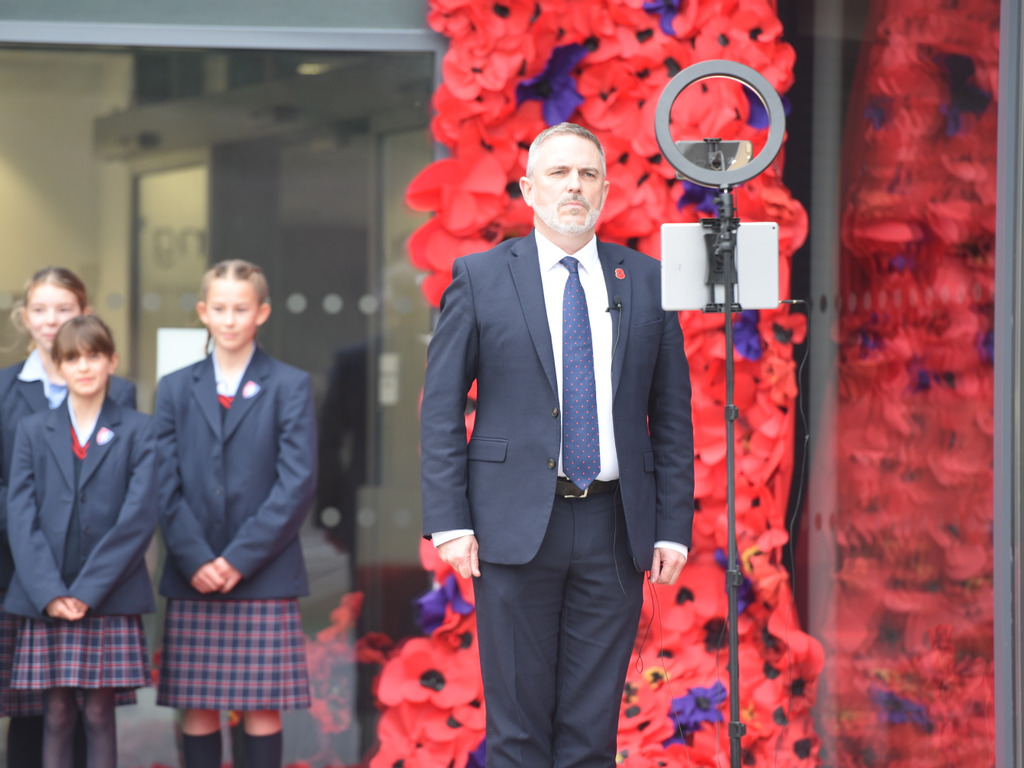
557,130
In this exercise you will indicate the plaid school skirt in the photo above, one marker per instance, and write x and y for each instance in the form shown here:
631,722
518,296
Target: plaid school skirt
14,703
244,655
94,652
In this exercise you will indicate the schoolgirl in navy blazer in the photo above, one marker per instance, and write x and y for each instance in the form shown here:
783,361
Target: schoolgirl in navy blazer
116,505
19,399
247,499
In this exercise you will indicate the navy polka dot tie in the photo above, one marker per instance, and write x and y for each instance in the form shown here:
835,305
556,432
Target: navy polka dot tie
581,448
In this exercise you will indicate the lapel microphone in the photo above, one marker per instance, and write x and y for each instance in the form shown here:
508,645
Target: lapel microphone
616,307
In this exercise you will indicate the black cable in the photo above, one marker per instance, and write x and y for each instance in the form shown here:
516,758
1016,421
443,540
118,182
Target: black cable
800,479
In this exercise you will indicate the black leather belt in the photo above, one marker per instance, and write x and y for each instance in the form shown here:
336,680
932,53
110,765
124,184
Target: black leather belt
567,488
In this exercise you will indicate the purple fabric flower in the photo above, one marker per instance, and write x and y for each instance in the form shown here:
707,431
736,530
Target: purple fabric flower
698,706
758,116
433,605
746,336
985,345
964,95
923,383
745,593
555,86
478,757
877,111
868,341
895,709
667,10
701,197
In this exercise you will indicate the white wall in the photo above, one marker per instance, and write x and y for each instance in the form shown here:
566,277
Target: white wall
59,203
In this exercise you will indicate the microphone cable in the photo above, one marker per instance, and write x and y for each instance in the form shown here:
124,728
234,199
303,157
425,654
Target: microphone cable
616,307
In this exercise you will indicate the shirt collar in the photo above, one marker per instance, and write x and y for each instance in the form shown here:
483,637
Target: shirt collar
33,370
83,436
550,254
225,385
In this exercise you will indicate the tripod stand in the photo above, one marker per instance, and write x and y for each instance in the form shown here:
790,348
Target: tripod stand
720,240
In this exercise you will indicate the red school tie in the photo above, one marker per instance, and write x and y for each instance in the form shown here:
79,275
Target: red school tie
80,450
225,401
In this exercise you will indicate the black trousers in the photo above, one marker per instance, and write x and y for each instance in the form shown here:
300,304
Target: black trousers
556,636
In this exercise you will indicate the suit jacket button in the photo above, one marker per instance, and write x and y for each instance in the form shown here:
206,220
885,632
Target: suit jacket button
82,498
218,491
554,412
552,463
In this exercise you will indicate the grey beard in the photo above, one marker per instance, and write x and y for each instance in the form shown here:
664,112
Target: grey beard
549,215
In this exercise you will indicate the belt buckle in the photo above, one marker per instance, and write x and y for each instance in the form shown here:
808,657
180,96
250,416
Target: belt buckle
577,495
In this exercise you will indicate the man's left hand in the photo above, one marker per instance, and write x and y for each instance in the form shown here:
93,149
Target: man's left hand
667,565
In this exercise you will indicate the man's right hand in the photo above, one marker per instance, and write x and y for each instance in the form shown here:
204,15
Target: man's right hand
462,555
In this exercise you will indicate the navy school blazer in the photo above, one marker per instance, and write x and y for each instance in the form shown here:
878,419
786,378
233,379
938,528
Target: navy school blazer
117,512
17,400
236,484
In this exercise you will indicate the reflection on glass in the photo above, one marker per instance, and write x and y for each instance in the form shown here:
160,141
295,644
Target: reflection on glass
139,168
903,599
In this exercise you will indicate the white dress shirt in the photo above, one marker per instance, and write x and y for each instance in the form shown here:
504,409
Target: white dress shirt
33,370
228,385
554,277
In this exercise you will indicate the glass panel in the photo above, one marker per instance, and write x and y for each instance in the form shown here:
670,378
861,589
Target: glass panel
899,519
139,169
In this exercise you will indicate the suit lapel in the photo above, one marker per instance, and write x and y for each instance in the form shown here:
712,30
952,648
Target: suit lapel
526,276
101,443
204,392
252,387
58,438
618,283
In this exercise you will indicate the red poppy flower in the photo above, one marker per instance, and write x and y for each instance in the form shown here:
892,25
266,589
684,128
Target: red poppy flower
508,141
612,93
374,648
480,26
451,113
463,727
469,76
426,672
649,755
798,745
643,714
402,739
466,195
434,248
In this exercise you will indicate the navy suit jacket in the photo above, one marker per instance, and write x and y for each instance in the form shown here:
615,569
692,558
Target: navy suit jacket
17,400
239,484
493,328
116,506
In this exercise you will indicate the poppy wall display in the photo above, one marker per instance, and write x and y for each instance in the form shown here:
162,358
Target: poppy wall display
512,69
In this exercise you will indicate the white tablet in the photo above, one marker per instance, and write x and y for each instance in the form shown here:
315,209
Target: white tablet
684,267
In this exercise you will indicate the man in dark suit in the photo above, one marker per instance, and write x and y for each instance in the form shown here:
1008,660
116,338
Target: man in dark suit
579,474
